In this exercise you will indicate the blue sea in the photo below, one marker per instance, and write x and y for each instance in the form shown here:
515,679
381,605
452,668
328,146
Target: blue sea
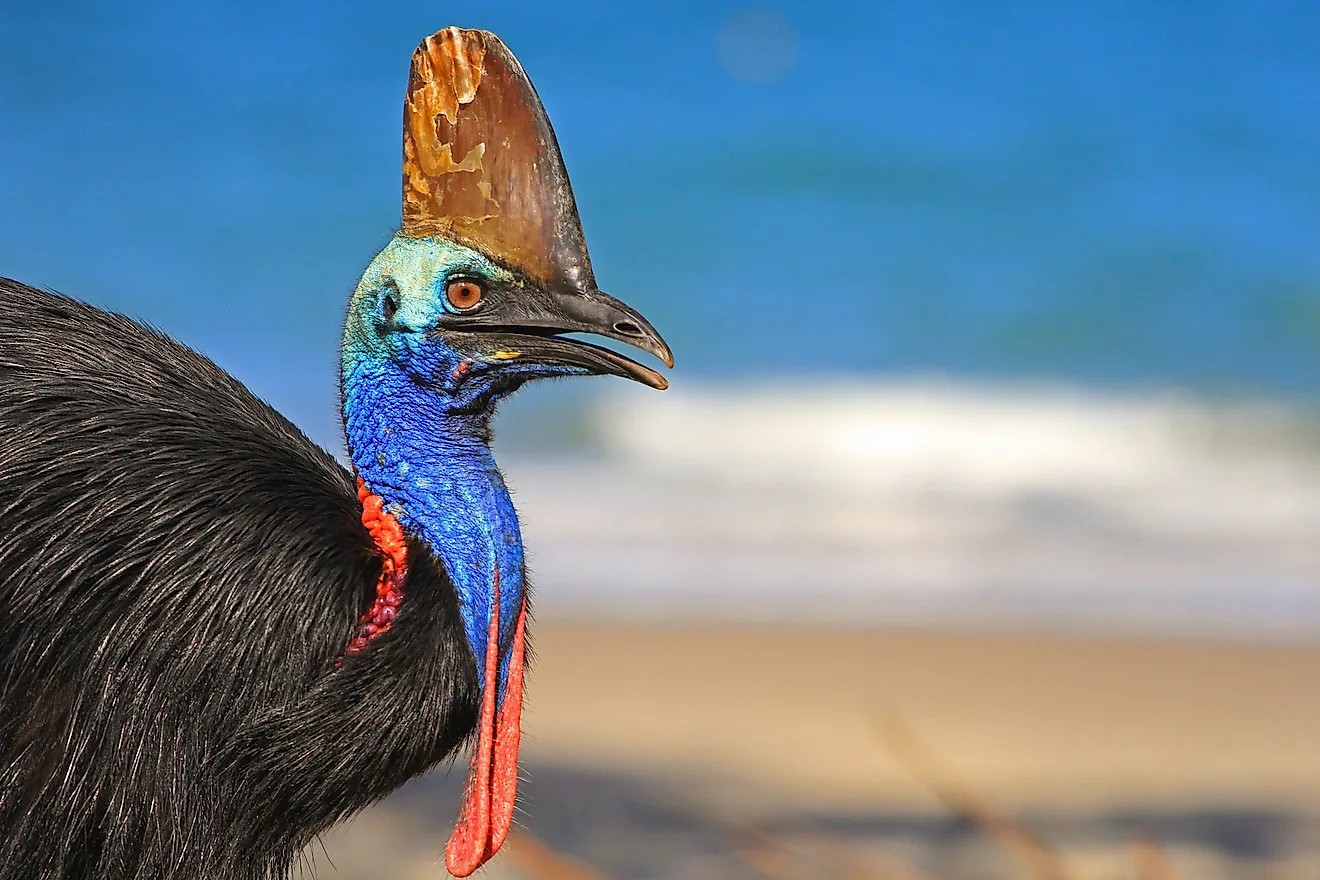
1110,192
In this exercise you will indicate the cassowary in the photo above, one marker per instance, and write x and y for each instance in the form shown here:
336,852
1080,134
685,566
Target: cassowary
216,641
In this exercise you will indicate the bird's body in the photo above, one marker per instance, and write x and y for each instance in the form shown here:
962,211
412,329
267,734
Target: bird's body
216,641
182,571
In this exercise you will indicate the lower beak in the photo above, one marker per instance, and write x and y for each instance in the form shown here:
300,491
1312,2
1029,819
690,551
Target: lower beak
571,352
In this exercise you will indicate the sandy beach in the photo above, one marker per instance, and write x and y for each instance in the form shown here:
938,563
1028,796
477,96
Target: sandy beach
670,751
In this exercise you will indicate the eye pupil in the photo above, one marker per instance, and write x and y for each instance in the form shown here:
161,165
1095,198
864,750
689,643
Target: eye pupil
463,294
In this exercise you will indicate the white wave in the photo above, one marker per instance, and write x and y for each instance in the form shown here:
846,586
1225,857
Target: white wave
930,501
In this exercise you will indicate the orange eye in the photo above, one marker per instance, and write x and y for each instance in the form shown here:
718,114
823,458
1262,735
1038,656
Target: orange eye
464,294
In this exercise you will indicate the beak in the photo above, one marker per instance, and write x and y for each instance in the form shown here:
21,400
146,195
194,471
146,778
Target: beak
531,329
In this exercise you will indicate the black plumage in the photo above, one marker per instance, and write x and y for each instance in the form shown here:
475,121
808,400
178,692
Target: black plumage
181,570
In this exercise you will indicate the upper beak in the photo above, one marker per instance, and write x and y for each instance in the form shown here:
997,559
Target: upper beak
533,326
602,314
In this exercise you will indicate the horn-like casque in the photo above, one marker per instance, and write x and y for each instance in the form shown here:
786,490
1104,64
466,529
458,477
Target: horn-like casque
481,165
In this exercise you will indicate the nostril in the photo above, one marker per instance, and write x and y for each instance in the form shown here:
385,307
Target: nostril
627,328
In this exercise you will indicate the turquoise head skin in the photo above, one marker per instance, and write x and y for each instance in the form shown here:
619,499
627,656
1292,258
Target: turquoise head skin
421,380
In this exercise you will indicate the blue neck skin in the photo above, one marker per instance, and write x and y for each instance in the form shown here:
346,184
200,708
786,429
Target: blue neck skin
418,436
436,474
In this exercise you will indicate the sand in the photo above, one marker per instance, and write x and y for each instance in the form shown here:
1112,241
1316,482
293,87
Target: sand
646,747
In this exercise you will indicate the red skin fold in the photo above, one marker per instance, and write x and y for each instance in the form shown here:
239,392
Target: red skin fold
487,812
393,546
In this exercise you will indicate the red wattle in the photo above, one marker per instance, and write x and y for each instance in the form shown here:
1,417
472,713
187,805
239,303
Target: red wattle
508,733
392,545
487,812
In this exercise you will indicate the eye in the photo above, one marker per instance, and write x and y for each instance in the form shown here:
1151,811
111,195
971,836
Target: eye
464,294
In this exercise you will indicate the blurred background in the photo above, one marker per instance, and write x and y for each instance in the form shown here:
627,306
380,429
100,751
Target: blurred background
979,534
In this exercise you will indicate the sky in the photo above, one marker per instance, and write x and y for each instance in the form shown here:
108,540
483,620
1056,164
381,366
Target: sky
1107,193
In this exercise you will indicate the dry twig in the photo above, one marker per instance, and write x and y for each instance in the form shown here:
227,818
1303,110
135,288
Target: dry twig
1036,857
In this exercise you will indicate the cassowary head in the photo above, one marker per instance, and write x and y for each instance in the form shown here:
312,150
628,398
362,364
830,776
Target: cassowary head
490,267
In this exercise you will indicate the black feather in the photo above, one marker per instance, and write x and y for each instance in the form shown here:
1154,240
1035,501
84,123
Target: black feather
180,571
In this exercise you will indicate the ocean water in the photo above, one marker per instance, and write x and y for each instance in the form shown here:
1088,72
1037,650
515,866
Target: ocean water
925,501
1113,193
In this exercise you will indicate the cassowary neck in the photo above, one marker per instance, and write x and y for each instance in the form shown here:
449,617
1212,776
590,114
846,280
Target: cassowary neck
435,472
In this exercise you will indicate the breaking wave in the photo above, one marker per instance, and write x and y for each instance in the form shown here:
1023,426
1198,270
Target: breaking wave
934,502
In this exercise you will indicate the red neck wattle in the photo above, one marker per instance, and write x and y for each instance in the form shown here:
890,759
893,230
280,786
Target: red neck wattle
393,547
492,788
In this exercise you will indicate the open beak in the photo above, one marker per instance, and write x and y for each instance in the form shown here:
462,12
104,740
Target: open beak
533,330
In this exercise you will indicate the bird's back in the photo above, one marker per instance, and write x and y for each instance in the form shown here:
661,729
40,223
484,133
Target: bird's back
180,569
